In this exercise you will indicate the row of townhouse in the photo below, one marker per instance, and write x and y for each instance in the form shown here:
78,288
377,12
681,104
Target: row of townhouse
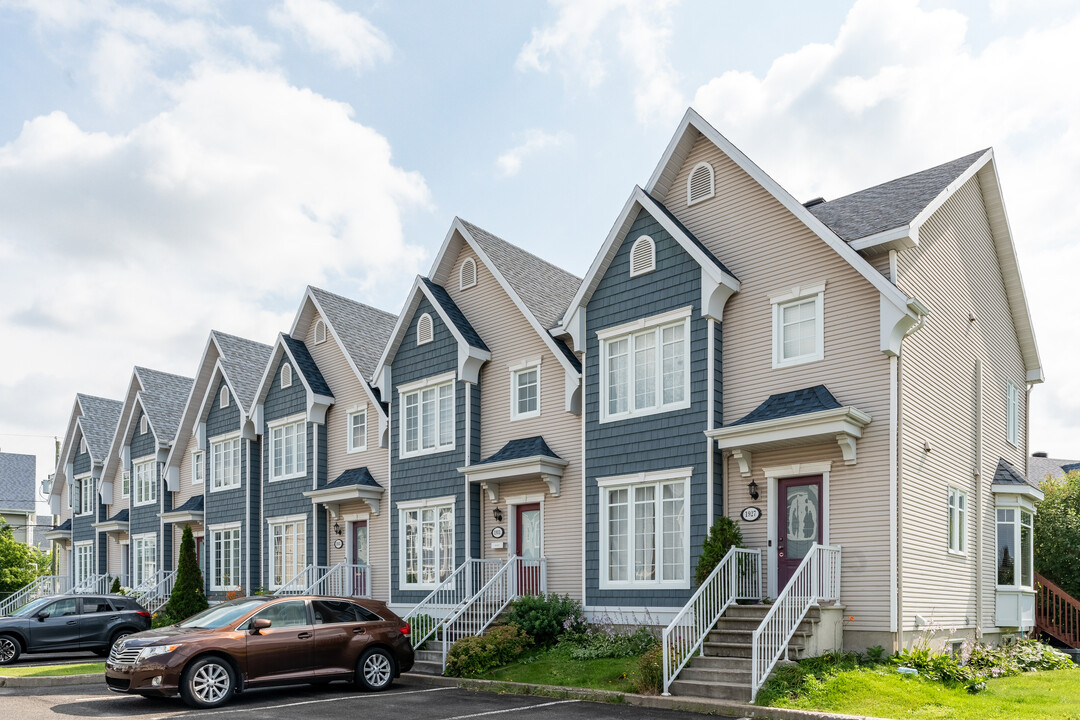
844,379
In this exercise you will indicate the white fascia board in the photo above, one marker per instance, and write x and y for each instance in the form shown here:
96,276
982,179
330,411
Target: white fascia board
900,238
65,449
179,516
807,426
116,450
1020,490
187,422
515,469
276,351
404,318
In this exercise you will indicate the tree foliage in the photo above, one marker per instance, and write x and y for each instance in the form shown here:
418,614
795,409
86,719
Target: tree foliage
187,597
20,564
1057,533
723,535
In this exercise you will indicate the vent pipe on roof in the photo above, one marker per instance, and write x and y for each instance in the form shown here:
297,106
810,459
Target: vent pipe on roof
812,203
1038,454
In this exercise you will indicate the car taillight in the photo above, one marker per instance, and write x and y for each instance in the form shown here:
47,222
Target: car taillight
143,613
405,630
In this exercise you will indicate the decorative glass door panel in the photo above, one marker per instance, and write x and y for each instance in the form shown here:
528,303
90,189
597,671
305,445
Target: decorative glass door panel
359,556
799,525
528,548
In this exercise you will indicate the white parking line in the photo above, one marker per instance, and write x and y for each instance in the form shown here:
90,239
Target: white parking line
262,708
513,709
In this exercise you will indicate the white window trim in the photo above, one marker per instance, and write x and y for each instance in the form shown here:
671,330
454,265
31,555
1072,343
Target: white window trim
148,460
302,534
285,382
196,462
144,424
1012,413
223,397
81,481
298,419
82,446
652,254
134,541
798,294
515,370
208,547
431,326
416,386
217,439
349,447
641,325
712,184
404,507
461,274
125,474
1017,571
962,513
631,481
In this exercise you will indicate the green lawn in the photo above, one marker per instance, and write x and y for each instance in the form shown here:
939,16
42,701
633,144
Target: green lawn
556,667
54,670
1052,695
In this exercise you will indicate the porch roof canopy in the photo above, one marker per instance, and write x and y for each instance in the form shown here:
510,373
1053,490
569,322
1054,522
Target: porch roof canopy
353,484
60,532
521,459
191,511
788,419
118,523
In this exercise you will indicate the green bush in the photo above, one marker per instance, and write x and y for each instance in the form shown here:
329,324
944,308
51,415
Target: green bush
162,619
608,641
545,618
723,535
650,671
807,677
1057,532
115,589
187,597
476,655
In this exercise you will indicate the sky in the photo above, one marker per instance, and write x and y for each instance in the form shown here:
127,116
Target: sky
172,166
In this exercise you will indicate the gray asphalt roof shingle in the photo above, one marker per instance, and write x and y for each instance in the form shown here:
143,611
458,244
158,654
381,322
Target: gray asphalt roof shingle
892,204
244,362
98,423
17,481
164,396
523,448
122,516
193,504
306,365
353,476
454,313
65,526
364,330
787,404
1006,474
1042,468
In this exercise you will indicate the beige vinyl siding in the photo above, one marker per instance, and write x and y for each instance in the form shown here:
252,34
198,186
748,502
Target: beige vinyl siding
350,396
770,251
954,271
880,263
115,564
187,490
511,339
378,544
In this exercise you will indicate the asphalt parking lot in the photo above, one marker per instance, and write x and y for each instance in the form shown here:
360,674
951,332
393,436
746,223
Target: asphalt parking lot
407,700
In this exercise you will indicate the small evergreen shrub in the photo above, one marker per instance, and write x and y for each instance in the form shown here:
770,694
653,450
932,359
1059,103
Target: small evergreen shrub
477,654
115,589
723,535
649,679
545,618
187,596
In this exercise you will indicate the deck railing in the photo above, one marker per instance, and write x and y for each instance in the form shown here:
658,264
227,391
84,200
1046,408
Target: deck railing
1057,613
42,586
451,594
736,577
816,580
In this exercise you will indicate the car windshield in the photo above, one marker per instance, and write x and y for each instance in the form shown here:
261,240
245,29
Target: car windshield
31,607
223,614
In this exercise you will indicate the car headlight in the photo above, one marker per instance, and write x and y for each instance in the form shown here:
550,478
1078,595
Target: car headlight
154,650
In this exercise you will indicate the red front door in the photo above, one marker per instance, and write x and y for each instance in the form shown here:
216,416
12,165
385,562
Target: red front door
799,525
527,548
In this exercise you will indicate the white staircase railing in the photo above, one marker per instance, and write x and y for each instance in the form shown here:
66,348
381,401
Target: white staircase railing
155,592
42,586
450,595
517,577
94,584
816,581
736,577
299,583
343,580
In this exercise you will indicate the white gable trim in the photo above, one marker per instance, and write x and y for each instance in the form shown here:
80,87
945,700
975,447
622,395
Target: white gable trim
188,426
317,404
116,450
61,473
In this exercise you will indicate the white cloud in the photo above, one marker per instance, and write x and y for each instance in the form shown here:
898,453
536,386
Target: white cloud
580,38
350,40
899,90
533,141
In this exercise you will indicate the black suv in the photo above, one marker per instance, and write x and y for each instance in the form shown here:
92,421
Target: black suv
66,623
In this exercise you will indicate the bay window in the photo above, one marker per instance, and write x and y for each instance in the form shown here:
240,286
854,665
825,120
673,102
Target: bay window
645,366
225,464
288,450
1015,548
427,545
427,423
644,536
145,483
225,557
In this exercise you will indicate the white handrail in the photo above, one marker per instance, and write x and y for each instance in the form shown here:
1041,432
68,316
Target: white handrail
343,580
817,580
448,597
40,587
736,577
153,598
297,584
97,584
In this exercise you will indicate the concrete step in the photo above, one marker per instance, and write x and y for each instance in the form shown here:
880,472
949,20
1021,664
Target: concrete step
718,690
760,611
427,667
723,635
745,650
726,623
703,674
714,662
429,656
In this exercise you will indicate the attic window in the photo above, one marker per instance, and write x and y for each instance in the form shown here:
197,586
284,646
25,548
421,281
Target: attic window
144,425
642,256
700,185
424,331
223,398
82,446
320,332
286,375
468,273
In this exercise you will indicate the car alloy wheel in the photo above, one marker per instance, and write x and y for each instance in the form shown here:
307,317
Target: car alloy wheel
8,650
378,670
211,683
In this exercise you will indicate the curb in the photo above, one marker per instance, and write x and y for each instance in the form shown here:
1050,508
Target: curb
708,706
51,681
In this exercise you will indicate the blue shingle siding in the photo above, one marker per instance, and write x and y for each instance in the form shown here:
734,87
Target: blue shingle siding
144,518
654,442
254,544
82,527
81,464
225,506
435,475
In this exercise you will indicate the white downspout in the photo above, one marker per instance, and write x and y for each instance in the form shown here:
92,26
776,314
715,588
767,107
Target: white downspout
709,424
978,498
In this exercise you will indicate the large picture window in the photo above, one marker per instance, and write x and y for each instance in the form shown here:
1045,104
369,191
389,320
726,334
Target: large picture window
225,557
288,450
225,464
1015,548
645,369
143,559
145,483
427,424
957,520
288,549
644,533
427,544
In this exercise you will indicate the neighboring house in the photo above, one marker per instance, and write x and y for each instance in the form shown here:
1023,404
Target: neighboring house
1041,467
212,469
17,499
80,551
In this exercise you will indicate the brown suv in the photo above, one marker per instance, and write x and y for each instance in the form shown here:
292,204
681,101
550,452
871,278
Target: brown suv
260,642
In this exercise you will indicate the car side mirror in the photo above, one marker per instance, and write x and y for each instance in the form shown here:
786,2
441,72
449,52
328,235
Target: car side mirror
43,615
259,624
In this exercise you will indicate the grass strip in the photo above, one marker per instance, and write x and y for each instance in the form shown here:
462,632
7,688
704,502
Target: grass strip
53,670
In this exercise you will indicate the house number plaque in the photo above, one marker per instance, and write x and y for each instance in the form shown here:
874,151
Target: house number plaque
497,532
750,514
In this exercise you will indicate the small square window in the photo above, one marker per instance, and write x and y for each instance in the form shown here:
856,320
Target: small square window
525,393
357,431
798,329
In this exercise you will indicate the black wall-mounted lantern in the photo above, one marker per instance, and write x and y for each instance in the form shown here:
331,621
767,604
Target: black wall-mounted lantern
337,529
498,514
752,487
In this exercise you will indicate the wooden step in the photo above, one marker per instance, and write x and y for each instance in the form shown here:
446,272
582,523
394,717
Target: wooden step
710,689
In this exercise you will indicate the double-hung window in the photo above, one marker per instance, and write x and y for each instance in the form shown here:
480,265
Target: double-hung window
84,561
84,496
357,431
427,543
1012,422
645,367
225,464
225,557
798,326
525,390
644,535
143,558
288,450
125,483
957,520
288,549
145,485
428,418
1015,548
198,468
